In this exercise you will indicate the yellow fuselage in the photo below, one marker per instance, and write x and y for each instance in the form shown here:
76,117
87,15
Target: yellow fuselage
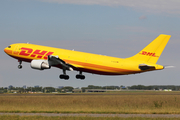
85,62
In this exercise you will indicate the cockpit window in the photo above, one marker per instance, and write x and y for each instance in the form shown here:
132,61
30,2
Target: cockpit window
9,46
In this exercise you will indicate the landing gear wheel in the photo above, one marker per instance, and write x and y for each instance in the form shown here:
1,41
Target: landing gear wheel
63,76
19,66
79,76
82,77
66,77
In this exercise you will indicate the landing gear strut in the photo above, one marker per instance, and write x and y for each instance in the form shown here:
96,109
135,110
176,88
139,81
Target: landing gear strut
20,66
64,76
80,76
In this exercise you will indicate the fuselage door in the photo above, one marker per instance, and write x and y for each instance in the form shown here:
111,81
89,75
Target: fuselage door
16,50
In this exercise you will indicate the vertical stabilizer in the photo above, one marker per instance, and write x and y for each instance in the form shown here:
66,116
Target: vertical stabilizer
152,52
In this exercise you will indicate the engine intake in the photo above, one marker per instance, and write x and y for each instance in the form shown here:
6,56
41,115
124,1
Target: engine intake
40,64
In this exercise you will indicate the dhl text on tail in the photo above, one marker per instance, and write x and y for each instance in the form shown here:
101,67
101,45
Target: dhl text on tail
43,57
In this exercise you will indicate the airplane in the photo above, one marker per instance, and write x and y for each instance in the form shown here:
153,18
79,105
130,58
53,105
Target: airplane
44,57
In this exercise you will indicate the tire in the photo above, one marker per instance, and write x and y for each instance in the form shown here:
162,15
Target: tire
20,66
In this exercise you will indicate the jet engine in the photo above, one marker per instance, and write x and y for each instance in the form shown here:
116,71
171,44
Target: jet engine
40,64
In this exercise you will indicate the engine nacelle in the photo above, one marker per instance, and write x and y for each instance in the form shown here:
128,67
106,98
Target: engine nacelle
40,64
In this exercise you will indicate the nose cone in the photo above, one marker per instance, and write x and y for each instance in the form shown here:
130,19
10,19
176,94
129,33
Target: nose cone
7,51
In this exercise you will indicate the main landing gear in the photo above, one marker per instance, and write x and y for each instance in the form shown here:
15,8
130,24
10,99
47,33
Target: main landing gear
80,76
66,77
63,76
20,66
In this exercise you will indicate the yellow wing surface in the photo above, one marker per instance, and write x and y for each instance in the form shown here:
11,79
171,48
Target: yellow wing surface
143,61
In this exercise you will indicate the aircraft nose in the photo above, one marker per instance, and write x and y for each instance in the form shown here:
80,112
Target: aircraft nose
7,51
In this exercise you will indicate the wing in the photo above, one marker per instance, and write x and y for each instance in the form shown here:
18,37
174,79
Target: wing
55,60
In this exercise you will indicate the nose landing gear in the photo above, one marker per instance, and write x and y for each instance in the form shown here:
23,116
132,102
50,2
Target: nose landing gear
20,66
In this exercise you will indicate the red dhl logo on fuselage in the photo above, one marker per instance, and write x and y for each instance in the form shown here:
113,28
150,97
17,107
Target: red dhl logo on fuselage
37,53
148,54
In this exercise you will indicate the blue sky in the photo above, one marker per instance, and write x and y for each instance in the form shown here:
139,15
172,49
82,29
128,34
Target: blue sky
113,27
